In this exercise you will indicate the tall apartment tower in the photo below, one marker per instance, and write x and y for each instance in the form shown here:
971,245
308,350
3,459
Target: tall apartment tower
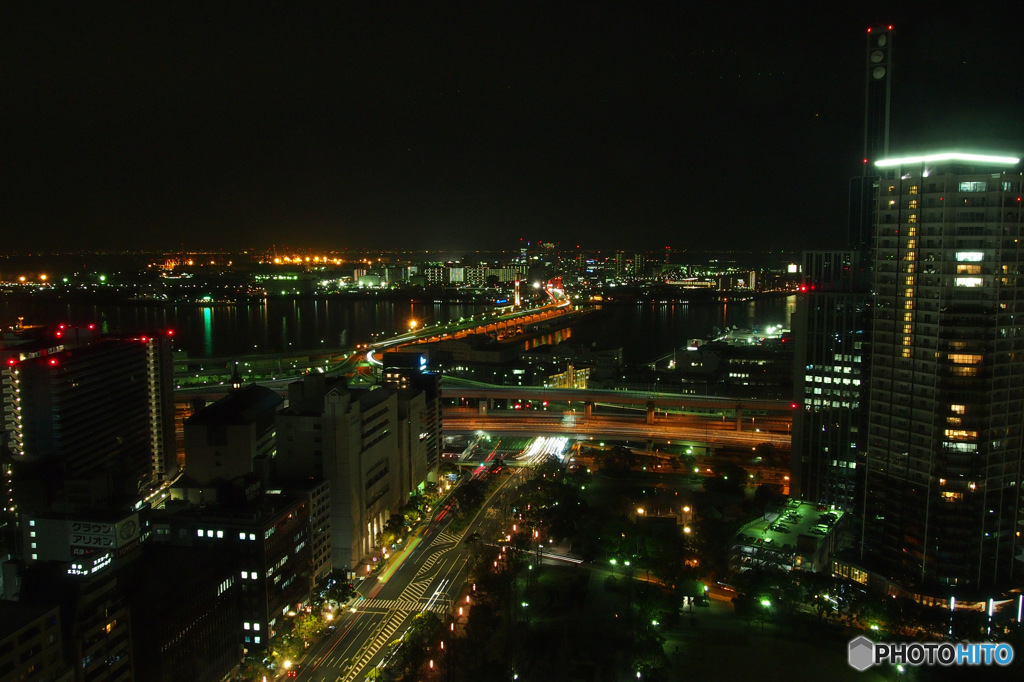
87,420
945,450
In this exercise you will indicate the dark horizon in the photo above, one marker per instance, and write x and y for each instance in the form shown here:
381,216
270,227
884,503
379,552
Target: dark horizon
469,127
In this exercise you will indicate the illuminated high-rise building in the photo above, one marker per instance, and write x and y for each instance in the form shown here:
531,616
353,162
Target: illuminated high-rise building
945,447
87,420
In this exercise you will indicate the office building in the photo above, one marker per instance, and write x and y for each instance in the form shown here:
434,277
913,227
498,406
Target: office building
228,440
942,496
31,643
830,380
369,447
266,540
411,371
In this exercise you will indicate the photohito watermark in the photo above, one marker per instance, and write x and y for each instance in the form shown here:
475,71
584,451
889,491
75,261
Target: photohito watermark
863,653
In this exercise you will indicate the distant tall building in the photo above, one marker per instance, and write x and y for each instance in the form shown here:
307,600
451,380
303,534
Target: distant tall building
639,265
945,450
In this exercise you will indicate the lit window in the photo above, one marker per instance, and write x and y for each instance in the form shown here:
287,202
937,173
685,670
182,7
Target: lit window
908,340
960,434
245,626
969,256
961,371
913,189
199,533
969,281
958,409
911,243
912,204
907,328
912,218
245,575
256,640
909,281
908,317
241,536
973,186
220,533
964,358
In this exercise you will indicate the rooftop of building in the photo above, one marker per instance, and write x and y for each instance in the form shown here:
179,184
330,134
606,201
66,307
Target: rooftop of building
949,157
266,506
242,406
783,529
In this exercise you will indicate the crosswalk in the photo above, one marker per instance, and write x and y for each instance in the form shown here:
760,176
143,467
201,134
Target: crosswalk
404,605
382,637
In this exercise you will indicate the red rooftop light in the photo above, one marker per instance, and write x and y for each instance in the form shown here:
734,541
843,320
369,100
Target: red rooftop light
53,361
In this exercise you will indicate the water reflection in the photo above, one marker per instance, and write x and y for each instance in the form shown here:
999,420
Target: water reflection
644,331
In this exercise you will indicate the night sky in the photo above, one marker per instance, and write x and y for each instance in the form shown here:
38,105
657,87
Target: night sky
470,126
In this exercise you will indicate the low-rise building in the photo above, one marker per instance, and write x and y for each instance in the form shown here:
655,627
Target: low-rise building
799,537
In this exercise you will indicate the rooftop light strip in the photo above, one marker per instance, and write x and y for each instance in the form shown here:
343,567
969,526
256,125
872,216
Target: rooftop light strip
948,156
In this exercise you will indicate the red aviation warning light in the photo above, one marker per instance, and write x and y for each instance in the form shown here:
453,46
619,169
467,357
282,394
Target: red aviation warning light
53,362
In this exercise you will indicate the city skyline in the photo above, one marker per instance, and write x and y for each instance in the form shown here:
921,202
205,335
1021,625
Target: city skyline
469,127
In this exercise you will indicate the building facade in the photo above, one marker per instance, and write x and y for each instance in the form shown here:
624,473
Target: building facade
830,381
85,418
942,497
